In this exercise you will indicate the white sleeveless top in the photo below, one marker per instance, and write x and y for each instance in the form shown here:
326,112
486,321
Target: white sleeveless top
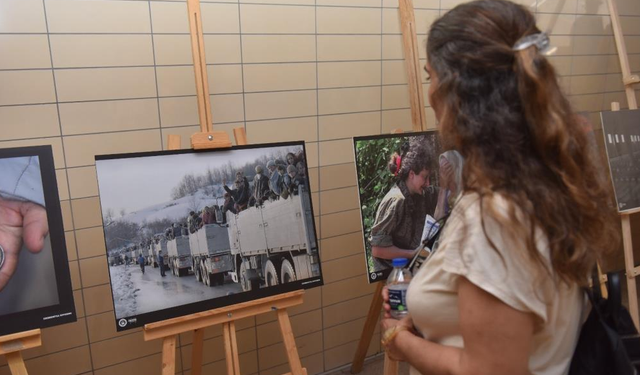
510,276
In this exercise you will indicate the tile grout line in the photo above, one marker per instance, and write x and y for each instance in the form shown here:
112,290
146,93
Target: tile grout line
75,238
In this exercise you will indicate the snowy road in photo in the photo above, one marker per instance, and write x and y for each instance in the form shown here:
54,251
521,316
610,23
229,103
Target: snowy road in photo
136,294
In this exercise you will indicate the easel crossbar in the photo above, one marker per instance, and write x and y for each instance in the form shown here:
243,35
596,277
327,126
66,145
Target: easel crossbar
205,319
20,341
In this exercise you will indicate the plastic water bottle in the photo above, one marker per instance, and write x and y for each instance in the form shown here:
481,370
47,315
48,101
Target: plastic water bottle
397,283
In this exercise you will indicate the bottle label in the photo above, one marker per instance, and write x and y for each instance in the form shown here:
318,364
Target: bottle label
398,299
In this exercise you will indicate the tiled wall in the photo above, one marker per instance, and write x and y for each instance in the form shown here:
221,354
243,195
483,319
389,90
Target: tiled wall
107,76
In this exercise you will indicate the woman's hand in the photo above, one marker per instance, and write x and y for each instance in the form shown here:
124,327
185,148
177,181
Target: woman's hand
394,330
385,303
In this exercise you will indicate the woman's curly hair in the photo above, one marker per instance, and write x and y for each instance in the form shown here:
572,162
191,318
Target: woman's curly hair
504,111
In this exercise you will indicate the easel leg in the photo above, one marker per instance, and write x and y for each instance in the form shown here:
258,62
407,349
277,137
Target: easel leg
16,363
290,343
629,266
169,355
390,366
196,352
231,348
367,331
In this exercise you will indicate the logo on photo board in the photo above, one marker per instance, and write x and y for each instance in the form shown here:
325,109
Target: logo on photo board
122,323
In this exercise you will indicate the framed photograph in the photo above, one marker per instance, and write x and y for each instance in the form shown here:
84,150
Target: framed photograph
35,284
407,186
622,142
188,231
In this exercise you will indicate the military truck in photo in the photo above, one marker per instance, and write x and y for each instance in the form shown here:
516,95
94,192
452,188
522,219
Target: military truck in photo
270,244
211,254
177,255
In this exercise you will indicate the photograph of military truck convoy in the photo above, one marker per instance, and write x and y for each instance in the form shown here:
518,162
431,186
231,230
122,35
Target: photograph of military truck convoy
187,231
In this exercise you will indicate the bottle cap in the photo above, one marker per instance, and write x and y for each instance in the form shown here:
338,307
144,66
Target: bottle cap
399,262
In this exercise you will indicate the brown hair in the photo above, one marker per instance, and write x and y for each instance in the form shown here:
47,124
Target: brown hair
414,156
505,113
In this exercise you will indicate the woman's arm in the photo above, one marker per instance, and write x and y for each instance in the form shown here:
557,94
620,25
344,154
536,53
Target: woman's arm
497,339
391,252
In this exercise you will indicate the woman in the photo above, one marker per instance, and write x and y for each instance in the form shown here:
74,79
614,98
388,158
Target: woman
397,229
501,295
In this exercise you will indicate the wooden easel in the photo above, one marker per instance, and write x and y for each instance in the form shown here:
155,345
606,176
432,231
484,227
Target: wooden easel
629,80
12,346
419,123
169,330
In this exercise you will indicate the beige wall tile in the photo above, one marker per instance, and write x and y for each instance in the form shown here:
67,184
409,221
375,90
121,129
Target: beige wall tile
20,122
169,17
288,2
224,79
68,16
342,20
174,50
392,47
22,16
248,365
625,7
630,25
587,103
394,72
342,355
345,333
55,143
278,48
344,268
295,129
26,87
348,47
277,19
280,104
94,271
614,83
277,77
349,125
59,338
70,241
346,290
562,64
98,299
90,242
220,18
558,24
593,7
347,311
274,355
593,45
564,44
587,84
345,74
339,200
81,149
63,185
558,6
585,65
86,212
176,80
144,365
312,156
222,49
396,119
337,176
340,223
122,349
302,324
24,51
424,19
67,216
73,51
68,362
313,364
395,97
83,182
108,83
359,3
592,25
179,111
334,101
341,246
108,116
336,152
619,97
613,64
227,108
79,303
74,272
